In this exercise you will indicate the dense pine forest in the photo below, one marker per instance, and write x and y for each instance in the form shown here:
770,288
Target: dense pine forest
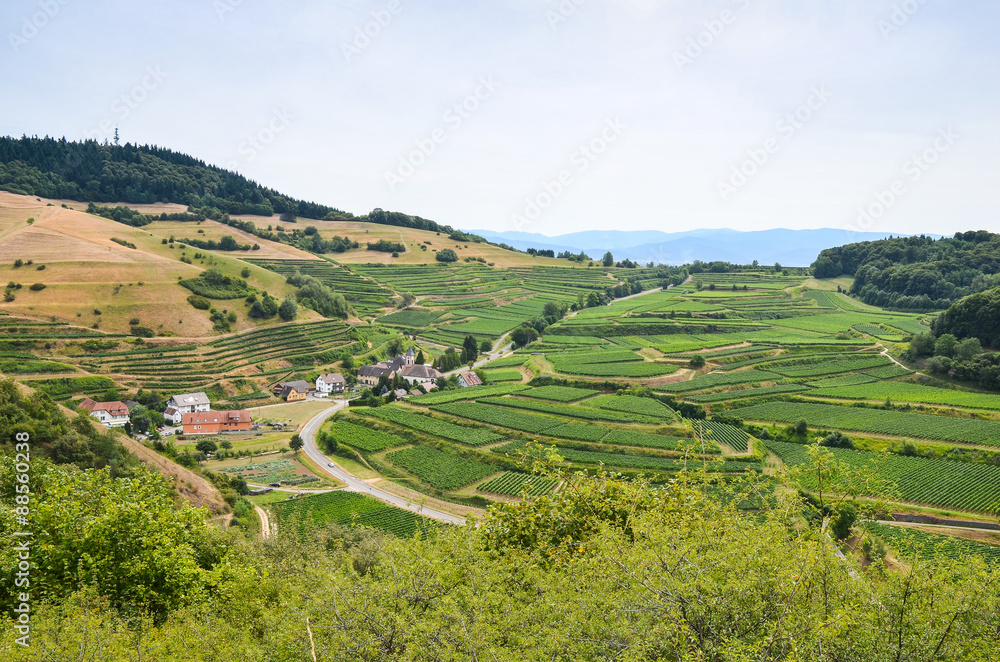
916,273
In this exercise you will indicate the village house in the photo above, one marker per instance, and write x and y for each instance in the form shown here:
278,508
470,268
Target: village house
419,374
370,374
185,403
467,379
110,414
293,391
216,422
330,383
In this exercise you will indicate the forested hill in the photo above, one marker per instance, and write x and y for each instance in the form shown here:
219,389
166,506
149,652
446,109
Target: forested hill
94,172
976,316
916,273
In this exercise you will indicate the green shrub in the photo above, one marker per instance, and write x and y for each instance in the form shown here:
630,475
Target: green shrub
199,302
446,255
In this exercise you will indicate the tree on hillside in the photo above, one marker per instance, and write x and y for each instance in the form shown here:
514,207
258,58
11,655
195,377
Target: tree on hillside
296,443
523,335
922,345
421,359
470,349
206,446
288,309
946,345
968,349
446,255
485,347
608,259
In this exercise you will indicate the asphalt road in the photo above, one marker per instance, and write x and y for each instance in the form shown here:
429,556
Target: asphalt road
355,484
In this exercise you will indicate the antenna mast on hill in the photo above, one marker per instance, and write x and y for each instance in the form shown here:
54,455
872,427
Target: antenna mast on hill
116,135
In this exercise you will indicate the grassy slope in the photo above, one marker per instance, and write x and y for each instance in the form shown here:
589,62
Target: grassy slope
83,269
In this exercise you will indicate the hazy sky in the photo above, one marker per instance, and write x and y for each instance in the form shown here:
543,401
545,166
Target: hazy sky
544,116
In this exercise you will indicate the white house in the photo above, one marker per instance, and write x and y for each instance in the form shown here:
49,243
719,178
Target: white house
110,414
186,403
467,379
330,383
419,374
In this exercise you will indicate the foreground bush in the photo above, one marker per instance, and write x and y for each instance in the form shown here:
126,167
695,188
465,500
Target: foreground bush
600,570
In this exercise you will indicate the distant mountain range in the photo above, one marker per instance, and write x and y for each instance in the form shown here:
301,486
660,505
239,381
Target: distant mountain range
793,248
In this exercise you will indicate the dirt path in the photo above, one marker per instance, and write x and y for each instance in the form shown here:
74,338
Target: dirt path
265,522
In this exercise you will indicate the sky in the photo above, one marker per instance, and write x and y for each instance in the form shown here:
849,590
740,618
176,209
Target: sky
544,116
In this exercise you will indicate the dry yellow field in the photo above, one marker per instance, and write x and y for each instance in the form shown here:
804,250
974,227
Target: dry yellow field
84,271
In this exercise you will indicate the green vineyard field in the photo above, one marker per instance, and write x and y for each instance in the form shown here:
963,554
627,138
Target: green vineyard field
442,470
346,509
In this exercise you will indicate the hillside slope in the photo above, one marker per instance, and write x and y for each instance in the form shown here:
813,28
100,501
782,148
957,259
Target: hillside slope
84,271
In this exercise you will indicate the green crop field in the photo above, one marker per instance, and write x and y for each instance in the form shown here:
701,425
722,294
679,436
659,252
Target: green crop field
508,362
435,426
558,393
829,366
346,509
877,421
516,484
500,416
658,441
850,379
503,375
628,370
411,317
578,431
723,379
264,472
942,483
467,394
731,436
910,543
442,470
625,461
631,404
571,411
906,392
362,438
722,396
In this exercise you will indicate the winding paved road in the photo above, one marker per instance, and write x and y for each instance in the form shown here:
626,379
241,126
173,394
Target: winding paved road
355,484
